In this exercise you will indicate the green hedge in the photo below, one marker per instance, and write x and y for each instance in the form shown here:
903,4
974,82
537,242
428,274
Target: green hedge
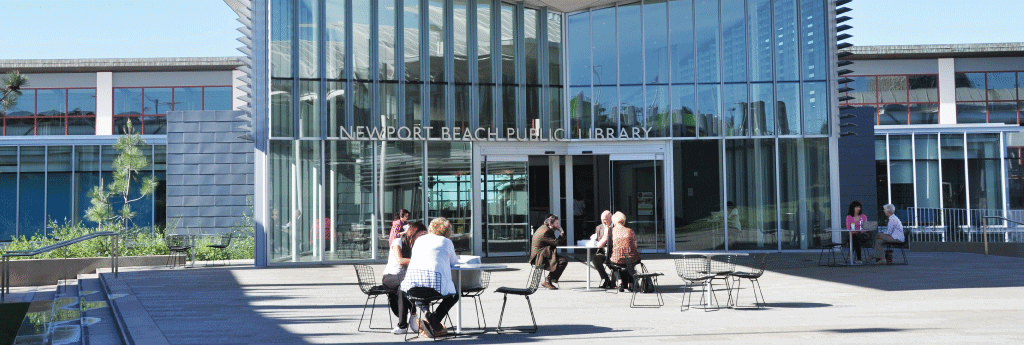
133,242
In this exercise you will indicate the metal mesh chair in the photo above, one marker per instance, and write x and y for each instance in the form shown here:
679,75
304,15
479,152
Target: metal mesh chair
178,245
722,267
827,244
425,298
225,242
474,293
531,287
757,269
368,284
694,271
653,278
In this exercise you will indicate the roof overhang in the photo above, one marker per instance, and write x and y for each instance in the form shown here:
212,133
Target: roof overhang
933,51
567,6
121,65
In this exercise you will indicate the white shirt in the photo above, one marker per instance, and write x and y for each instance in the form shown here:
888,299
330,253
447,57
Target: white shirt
393,267
895,228
437,254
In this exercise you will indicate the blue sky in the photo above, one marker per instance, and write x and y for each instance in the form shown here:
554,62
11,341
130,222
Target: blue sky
54,29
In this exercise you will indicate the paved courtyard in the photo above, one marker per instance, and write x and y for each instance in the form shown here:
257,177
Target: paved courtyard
939,298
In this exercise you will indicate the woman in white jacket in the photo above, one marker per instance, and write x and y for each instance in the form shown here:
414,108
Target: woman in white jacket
431,266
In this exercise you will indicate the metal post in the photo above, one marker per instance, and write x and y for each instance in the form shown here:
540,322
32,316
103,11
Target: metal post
985,236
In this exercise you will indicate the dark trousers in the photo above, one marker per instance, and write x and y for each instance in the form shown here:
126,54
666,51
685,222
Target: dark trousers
442,310
396,299
624,272
858,241
559,268
599,260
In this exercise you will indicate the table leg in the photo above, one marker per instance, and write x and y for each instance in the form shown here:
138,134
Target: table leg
458,288
851,248
588,269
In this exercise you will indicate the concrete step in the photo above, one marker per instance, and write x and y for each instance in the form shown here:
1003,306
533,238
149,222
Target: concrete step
98,323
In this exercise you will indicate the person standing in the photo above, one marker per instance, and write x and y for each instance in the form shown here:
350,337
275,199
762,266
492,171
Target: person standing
601,257
892,234
394,273
855,220
544,251
399,224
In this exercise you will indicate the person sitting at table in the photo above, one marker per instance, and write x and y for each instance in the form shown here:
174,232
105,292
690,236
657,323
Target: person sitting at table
544,251
892,234
434,252
855,220
624,251
601,257
394,273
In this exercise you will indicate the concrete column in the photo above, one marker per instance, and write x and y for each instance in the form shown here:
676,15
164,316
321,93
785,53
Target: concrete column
947,91
104,103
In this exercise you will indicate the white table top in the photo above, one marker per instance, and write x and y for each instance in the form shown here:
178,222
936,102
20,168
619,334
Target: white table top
478,267
846,230
709,253
576,247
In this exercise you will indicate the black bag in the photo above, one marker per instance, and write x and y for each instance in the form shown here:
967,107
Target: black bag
645,285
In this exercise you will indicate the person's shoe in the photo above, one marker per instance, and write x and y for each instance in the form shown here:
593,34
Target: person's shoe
549,286
398,330
858,262
879,262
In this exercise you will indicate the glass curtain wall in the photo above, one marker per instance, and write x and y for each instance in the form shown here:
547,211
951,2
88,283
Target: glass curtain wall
394,64
52,183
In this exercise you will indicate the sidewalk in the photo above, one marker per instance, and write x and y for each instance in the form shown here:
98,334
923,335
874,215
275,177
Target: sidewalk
939,298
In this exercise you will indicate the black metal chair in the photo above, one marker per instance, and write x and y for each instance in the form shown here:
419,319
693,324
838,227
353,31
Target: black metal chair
368,284
531,287
474,293
425,298
902,247
178,245
827,244
651,277
722,268
225,242
757,269
694,271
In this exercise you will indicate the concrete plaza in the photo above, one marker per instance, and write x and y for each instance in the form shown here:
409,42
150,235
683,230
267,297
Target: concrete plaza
938,298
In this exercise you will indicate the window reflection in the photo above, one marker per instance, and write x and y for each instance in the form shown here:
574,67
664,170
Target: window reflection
761,47
734,42
787,64
630,47
681,33
603,46
707,41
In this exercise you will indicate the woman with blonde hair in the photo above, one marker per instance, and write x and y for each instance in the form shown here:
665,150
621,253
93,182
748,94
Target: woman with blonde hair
624,251
431,267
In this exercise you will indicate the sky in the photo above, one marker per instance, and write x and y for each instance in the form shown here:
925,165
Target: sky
78,29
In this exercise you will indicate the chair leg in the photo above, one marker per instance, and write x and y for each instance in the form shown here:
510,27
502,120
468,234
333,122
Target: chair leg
531,315
502,316
758,284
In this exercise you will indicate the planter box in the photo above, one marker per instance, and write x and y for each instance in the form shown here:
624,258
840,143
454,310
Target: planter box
37,272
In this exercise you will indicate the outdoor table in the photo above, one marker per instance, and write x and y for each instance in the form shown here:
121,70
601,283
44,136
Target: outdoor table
850,232
707,259
588,248
469,267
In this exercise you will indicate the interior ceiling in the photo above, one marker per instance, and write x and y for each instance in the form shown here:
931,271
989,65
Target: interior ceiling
572,5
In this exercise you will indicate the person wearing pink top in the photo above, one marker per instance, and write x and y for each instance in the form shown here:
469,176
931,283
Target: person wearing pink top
855,220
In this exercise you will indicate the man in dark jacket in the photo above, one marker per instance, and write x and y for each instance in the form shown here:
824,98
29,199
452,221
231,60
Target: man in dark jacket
543,253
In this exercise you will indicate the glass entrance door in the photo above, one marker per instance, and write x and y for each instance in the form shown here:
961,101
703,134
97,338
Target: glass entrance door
637,192
506,200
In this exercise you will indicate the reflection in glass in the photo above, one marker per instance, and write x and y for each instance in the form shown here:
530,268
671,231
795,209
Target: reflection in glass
460,45
734,42
281,108
486,110
681,34
82,102
636,193
603,46
508,49
954,192
157,100
449,179
362,103
506,200
82,125
413,107
864,90
51,102
1003,112
984,171
438,119
335,40
403,187
31,212
436,39
1002,86
707,41
388,106
925,114
970,86
280,38
750,185
605,108
533,118
532,55
386,21
630,47
214,98
655,42
761,47
579,48
892,88
309,108
926,151
154,125
309,38
555,48
657,111
9,182
335,99
555,108
709,112
815,98
127,101
361,39
924,88
762,109
684,120
25,106
189,98
971,113
631,108
580,104
411,42
483,45
787,63
462,108
50,126
788,108
508,110
813,39
121,123
734,97
58,184
348,169
804,188
698,191
893,114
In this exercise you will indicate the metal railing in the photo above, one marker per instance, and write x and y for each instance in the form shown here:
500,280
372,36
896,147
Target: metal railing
962,225
5,274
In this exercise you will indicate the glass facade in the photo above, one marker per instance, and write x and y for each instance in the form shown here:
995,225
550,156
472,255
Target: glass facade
146,108
742,95
897,99
52,183
51,112
992,97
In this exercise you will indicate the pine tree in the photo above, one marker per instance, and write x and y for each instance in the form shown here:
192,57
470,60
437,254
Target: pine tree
127,165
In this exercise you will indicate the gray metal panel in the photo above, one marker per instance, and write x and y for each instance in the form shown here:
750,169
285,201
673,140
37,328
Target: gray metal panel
185,78
920,66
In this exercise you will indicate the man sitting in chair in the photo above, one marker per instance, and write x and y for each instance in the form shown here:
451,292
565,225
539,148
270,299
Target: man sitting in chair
892,234
543,253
